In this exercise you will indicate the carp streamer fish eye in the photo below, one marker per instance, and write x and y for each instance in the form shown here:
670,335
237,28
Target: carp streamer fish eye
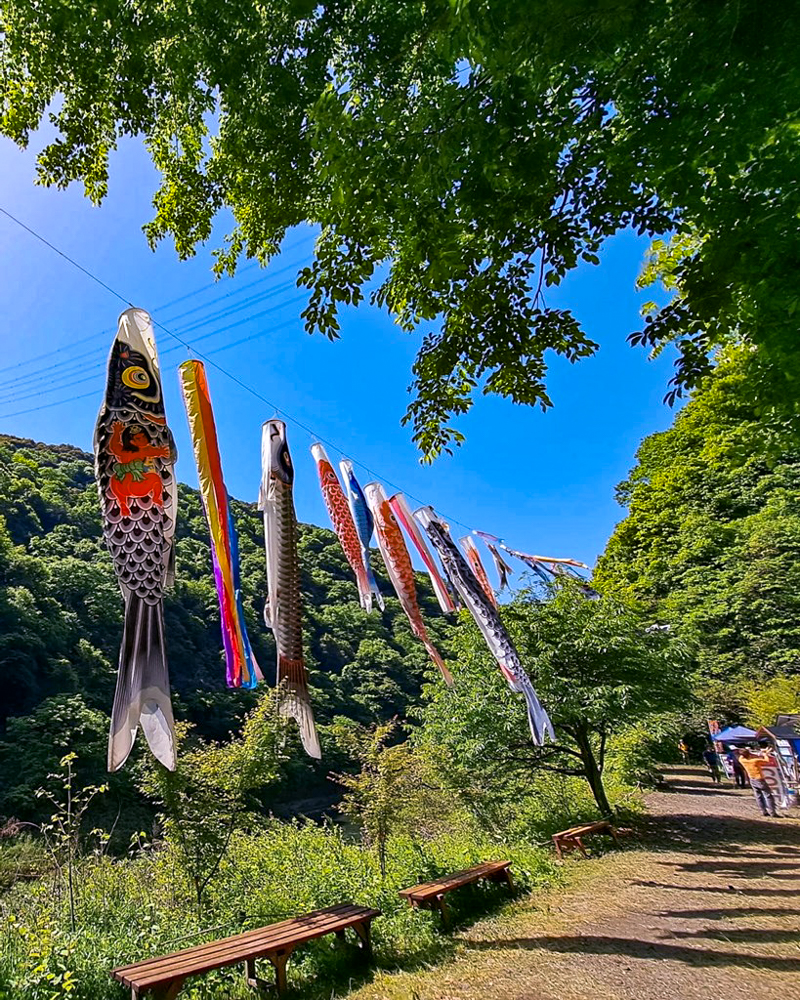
135,377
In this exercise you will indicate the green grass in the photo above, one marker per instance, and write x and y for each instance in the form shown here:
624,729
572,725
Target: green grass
136,908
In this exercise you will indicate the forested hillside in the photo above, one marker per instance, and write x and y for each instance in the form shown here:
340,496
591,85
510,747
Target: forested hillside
61,621
711,540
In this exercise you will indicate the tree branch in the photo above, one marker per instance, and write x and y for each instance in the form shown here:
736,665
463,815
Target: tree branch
550,749
570,772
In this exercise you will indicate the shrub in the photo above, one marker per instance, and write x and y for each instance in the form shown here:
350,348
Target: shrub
636,752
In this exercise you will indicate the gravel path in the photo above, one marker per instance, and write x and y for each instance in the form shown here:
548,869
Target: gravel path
707,906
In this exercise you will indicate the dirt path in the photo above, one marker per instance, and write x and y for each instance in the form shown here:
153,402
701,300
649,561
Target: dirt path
708,907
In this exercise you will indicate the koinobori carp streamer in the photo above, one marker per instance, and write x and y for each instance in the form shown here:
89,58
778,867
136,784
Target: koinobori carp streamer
502,567
134,455
402,512
282,611
487,619
474,559
365,525
343,524
398,566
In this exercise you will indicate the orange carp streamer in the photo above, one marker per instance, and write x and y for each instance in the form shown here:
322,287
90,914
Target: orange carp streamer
343,523
474,559
398,566
403,513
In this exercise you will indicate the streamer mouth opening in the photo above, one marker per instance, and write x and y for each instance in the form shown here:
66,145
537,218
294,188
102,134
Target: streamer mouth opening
135,328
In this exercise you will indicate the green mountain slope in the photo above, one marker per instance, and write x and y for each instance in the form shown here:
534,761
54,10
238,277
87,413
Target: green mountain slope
61,621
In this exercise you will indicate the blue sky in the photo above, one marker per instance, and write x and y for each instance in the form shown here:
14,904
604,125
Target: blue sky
543,481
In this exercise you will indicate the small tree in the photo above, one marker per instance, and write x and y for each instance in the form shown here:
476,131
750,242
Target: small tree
597,668
377,795
212,789
63,831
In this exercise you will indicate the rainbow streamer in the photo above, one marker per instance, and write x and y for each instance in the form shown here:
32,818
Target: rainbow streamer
242,669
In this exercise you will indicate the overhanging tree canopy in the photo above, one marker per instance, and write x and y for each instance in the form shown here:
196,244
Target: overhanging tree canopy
480,148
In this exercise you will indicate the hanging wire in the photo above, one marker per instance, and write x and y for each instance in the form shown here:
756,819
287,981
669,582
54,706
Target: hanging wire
204,357
18,393
47,406
43,373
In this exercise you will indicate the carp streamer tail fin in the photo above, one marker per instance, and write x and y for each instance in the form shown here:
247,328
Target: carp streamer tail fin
538,719
295,703
373,585
433,652
142,695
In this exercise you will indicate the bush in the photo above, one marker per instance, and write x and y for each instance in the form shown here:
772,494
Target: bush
635,754
21,859
767,697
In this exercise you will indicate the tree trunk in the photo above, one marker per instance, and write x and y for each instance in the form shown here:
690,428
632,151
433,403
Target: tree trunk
592,772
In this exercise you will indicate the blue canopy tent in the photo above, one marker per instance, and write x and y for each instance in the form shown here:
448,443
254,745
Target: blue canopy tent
734,734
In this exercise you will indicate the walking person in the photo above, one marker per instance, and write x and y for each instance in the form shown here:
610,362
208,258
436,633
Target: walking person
753,764
712,763
684,749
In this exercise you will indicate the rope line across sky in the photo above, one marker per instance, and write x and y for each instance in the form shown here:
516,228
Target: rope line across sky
99,368
189,346
41,372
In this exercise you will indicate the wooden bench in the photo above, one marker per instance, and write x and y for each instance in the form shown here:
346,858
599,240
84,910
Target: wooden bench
164,976
572,839
430,895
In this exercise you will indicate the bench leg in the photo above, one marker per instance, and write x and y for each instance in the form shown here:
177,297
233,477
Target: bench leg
566,846
279,960
502,876
364,931
280,974
613,833
444,911
251,976
557,845
437,903
579,842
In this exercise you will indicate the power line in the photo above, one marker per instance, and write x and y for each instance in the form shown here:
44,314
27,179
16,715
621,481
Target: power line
18,392
55,386
237,291
47,406
99,370
231,310
223,371
48,354
46,369
212,284
66,257
45,372
241,322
